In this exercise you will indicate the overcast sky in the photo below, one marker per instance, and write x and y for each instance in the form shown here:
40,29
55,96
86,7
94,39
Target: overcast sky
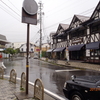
55,12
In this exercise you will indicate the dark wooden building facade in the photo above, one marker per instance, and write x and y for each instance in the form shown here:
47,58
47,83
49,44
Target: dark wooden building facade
80,40
93,38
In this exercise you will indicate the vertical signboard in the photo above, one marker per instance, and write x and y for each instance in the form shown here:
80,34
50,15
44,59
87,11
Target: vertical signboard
87,53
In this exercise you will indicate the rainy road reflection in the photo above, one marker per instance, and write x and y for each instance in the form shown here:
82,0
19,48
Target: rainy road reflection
52,76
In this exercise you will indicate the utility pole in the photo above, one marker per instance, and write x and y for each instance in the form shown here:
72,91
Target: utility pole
40,19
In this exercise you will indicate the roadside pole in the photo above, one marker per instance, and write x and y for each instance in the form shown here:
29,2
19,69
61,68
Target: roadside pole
29,16
27,60
40,13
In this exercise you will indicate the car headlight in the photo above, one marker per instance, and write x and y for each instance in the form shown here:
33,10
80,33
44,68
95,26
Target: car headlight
65,84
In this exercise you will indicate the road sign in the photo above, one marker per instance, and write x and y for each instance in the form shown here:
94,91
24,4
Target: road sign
30,6
29,12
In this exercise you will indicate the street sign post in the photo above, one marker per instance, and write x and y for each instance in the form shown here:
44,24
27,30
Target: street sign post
29,16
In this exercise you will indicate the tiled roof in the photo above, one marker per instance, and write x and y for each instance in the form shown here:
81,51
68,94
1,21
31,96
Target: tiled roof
52,33
96,10
2,37
82,18
64,26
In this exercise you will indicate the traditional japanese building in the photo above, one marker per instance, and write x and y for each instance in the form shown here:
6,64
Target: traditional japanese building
50,53
59,42
93,36
80,40
77,35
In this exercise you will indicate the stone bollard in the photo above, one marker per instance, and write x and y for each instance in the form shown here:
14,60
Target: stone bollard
13,76
23,82
1,73
39,90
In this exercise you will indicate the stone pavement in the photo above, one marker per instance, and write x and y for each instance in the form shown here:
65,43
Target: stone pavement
90,66
77,64
8,91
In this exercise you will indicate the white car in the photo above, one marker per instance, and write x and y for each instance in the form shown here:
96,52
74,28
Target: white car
35,57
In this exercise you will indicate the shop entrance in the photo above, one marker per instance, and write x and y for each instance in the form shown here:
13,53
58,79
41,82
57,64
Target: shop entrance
77,55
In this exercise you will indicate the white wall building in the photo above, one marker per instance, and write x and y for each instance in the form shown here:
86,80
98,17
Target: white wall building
14,45
23,49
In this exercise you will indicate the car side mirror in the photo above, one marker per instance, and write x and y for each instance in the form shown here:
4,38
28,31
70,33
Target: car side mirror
73,77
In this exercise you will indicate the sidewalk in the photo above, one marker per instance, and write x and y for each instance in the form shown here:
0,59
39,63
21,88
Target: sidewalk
76,64
82,65
8,91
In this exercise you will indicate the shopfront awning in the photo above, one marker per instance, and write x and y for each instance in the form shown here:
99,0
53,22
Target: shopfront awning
93,45
76,29
59,49
97,21
59,35
75,47
50,50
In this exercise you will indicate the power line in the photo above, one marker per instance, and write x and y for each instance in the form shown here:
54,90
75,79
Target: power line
87,10
52,26
70,5
35,36
10,8
67,19
4,9
56,6
57,23
12,4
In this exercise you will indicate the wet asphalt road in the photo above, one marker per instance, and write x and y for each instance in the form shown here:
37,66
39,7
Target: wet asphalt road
52,76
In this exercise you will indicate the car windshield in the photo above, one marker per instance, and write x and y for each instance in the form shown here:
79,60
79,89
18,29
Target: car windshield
92,79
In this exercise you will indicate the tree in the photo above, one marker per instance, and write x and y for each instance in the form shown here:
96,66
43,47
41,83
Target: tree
11,51
17,50
5,51
43,53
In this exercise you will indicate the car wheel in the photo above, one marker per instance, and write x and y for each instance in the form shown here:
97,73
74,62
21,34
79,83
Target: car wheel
76,96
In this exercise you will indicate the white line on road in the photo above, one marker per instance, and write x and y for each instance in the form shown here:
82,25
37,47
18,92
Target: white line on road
66,70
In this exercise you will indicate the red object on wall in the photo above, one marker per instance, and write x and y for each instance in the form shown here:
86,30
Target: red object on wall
37,49
0,55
